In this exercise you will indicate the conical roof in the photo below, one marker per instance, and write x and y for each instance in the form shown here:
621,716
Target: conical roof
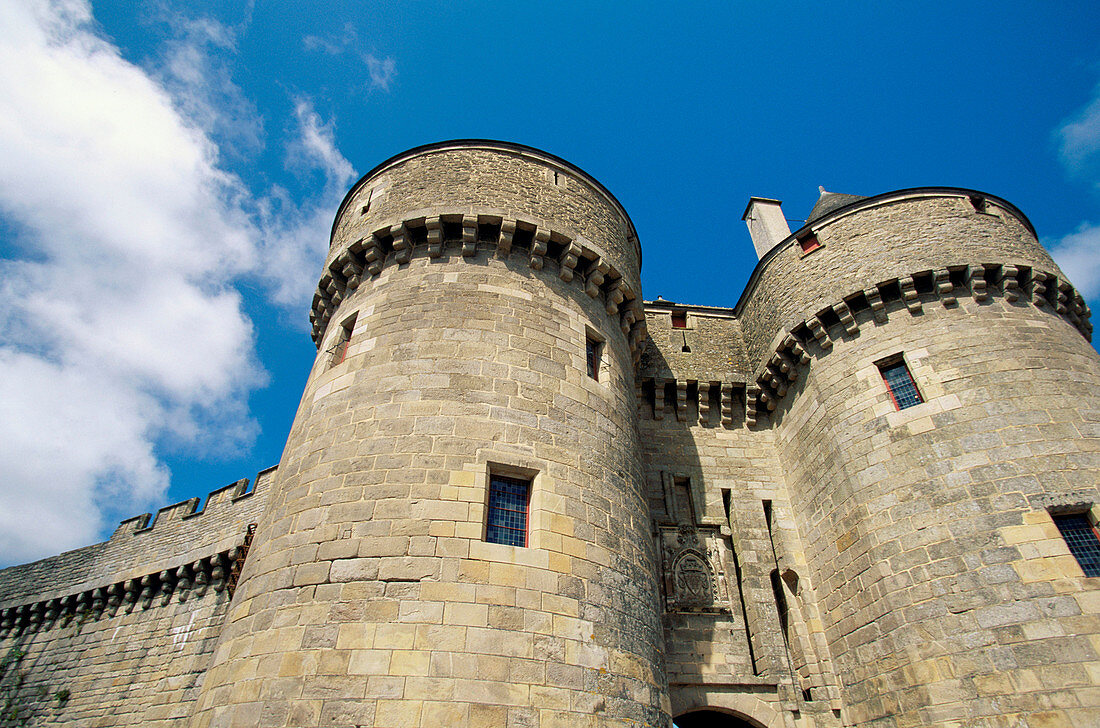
829,201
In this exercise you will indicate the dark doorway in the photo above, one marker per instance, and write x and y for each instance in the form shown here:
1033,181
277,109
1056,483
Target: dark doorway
710,719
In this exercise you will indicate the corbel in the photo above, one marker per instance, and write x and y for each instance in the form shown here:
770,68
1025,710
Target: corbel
944,287
627,320
401,247
817,328
614,296
1064,298
909,294
597,272
507,234
769,399
847,320
146,597
202,577
1010,283
435,236
372,254
167,586
183,583
658,398
538,248
217,572
469,236
752,394
978,286
568,261
352,271
34,616
681,399
1040,285
725,403
704,404
874,300
115,593
50,612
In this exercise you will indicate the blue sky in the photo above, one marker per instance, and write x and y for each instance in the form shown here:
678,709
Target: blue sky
169,171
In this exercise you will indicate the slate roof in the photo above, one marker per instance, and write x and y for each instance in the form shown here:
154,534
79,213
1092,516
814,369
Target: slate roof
829,201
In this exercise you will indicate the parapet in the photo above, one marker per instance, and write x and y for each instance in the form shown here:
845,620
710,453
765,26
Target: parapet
470,197
179,535
892,236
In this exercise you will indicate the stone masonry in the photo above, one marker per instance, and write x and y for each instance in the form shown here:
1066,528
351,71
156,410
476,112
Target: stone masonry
729,521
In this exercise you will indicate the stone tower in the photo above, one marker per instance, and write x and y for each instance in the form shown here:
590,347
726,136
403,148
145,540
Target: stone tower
928,527
517,495
478,321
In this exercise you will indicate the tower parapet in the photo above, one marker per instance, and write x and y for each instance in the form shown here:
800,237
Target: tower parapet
551,214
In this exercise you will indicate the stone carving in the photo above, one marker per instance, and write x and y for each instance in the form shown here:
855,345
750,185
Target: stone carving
693,576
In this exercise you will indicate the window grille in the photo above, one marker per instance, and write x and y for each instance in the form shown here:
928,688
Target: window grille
899,382
1082,539
508,507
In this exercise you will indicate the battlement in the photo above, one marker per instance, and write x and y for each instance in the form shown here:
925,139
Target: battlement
394,242
179,535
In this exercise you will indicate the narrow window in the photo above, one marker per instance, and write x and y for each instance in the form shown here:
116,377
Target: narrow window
593,348
899,382
685,507
808,242
679,319
340,348
1083,540
508,506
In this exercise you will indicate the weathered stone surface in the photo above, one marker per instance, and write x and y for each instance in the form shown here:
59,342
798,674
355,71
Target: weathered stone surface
732,515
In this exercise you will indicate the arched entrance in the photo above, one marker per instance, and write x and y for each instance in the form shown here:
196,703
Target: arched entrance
710,719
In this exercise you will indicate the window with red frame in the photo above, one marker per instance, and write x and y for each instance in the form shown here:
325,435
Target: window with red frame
899,382
679,319
340,348
509,501
809,242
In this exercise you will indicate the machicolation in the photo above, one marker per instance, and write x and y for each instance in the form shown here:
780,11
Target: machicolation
518,494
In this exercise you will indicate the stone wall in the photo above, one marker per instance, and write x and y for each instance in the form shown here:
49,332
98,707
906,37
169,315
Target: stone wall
371,596
947,596
178,534
135,668
120,633
717,489
887,237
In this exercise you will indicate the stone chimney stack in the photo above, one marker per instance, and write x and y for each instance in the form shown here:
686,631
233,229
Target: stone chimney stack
767,226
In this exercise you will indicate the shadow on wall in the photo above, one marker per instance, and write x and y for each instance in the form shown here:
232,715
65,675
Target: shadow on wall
701,573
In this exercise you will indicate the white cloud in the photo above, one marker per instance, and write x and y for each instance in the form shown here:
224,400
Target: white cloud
332,45
194,66
295,236
120,327
381,70
1078,255
1079,138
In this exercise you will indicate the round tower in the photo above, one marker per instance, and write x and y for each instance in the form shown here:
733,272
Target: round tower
459,534
946,416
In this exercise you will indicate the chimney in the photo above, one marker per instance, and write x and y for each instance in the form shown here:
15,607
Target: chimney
767,226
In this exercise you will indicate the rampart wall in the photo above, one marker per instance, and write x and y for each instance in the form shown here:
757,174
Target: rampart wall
120,633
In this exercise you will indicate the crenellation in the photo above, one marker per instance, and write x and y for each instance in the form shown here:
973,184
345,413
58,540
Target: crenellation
848,517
